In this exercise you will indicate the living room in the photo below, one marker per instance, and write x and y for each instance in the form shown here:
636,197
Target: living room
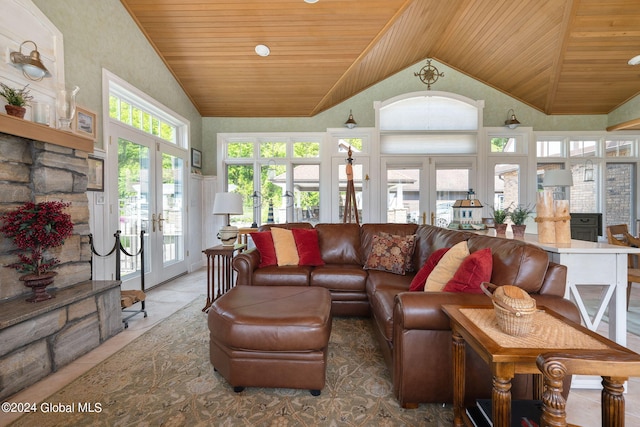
102,43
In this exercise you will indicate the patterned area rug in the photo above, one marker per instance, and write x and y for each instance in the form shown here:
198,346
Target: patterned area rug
165,378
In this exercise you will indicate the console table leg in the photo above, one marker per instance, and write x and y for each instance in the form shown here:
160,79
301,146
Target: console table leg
553,404
613,401
458,379
501,401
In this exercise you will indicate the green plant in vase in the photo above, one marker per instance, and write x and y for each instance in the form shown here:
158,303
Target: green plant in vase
519,215
500,216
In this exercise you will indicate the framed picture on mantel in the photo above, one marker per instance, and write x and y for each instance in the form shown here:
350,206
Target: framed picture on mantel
85,123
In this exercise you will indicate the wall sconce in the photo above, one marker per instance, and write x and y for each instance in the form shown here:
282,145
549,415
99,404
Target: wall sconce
271,170
511,121
31,66
350,123
588,171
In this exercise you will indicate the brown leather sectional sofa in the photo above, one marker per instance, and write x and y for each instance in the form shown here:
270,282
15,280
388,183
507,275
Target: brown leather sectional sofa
414,333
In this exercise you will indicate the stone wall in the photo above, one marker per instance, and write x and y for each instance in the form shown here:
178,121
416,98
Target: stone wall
37,171
39,338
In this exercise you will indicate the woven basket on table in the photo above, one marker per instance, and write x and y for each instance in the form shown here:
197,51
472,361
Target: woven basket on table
513,306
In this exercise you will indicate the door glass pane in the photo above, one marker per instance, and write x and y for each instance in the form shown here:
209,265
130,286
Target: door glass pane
403,195
583,197
619,199
506,186
451,185
172,206
357,184
133,200
306,192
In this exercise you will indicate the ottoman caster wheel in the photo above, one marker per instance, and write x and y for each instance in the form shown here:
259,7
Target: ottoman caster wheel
314,392
238,389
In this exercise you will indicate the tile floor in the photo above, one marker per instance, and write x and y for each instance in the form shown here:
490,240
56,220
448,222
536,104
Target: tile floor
583,406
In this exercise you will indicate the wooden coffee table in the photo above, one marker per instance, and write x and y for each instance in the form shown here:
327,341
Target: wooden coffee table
559,346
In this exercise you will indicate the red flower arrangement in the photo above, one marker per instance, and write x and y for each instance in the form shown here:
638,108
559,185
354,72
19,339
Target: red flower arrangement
34,228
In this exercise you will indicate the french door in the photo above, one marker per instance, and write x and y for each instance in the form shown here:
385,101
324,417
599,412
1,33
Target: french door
151,195
422,190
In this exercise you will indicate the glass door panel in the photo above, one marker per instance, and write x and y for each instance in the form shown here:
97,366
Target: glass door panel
619,197
134,197
451,184
306,193
403,195
170,224
506,185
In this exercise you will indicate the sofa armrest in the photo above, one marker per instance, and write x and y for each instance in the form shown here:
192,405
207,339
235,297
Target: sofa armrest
555,280
245,264
423,310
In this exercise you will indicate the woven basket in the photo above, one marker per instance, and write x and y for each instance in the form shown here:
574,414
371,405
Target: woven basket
513,306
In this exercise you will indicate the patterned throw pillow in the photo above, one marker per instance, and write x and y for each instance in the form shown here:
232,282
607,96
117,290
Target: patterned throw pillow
391,253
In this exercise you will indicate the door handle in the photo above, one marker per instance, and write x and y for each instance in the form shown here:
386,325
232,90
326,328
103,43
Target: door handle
153,222
160,220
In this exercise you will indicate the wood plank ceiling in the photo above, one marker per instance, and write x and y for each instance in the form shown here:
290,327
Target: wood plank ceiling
558,56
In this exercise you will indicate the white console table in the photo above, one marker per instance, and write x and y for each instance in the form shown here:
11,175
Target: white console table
593,264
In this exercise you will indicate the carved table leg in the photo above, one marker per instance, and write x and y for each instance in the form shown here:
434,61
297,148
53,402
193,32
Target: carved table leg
613,401
501,401
553,404
458,379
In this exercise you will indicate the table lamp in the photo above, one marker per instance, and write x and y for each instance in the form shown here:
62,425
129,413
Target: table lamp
228,204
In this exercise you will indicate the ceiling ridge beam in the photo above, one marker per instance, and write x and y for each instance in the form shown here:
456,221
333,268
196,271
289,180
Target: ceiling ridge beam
318,108
556,67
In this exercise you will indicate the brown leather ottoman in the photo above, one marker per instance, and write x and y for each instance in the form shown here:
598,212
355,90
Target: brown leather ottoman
271,336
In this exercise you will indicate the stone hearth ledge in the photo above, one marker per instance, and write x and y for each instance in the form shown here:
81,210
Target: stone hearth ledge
17,310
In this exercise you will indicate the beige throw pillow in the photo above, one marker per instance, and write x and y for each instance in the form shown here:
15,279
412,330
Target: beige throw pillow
446,267
285,246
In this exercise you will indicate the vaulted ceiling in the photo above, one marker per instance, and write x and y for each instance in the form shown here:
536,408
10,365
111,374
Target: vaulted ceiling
558,56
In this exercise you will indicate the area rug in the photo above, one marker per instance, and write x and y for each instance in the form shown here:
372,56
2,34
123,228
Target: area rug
164,378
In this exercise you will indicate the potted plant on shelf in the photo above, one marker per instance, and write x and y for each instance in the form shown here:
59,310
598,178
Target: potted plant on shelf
519,215
500,217
16,99
35,228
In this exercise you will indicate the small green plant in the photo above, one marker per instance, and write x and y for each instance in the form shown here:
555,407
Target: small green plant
520,214
17,97
500,215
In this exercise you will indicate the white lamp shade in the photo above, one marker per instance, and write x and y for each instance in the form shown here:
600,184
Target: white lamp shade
227,204
557,178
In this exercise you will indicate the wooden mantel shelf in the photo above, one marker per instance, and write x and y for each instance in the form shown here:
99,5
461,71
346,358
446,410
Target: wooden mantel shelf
30,130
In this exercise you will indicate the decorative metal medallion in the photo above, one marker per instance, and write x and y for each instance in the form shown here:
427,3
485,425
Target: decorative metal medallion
429,74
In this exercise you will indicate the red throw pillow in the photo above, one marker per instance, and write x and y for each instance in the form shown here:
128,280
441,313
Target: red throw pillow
264,243
475,269
418,282
308,246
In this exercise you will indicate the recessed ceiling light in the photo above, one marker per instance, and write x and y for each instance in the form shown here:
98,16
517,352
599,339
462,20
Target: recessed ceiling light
635,60
311,1
262,50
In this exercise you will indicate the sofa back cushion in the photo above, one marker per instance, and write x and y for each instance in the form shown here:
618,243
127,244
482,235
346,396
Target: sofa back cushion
339,243
286,226
431,238
514,262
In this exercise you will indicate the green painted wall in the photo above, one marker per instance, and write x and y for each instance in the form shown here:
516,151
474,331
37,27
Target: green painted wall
101,34
495,112
630,110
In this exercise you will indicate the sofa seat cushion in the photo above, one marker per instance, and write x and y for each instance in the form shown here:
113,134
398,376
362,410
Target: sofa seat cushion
387,280
382,304
339,277
293,275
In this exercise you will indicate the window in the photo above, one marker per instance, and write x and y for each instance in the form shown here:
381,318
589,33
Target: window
140,118
278,177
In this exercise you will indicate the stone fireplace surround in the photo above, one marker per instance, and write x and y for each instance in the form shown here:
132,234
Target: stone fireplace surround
39,338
